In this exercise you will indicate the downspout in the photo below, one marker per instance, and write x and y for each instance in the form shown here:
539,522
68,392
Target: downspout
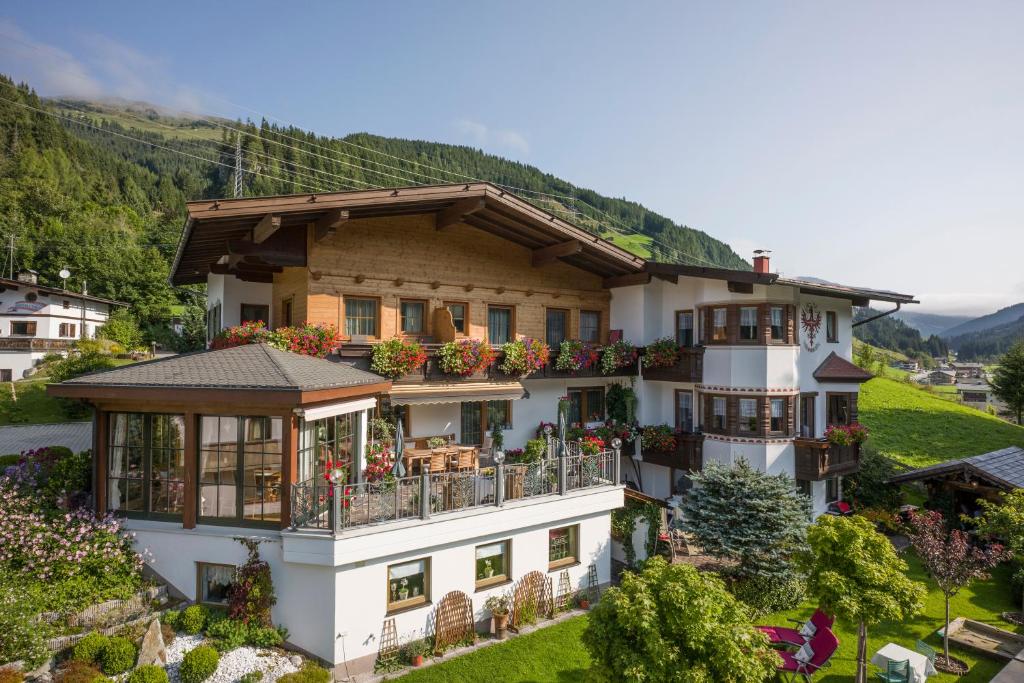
876,317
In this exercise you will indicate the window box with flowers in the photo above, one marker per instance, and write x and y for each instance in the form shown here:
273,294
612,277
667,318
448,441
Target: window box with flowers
661,353
846,435
620,354
465,357
660,438
575,356
396,357
524,357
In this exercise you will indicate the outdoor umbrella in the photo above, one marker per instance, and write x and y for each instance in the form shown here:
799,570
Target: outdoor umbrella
399,468
561,433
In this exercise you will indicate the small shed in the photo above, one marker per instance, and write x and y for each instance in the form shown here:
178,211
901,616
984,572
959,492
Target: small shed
968,479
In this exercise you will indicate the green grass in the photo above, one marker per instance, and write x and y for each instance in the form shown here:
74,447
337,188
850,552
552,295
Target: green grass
918,428
34,406
879,351
637,244
555,654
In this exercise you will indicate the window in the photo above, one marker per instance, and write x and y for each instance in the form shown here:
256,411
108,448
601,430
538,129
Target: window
807,422
23,328
66,330
778,406
255,313
66,304
748,323
831,327
718,412
803,486
684,411
408,584
555,326
6,375
492,564
240,468
499,325
331,439
213,582
499,413
413,317
286,311
831,489
563,546
778,323
478,417
458,311
361,317
684,328
718,325
590,326
213,321
586,405
748,415
146,463
838,409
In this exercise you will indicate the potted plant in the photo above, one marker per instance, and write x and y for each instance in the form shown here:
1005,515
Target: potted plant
661,353
403,591
396,357
524,356
583,600
465,357
575,355
617,355
499,607
415,650
436,442
488,569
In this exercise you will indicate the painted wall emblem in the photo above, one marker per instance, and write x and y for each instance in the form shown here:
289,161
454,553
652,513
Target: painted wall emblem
810,323
26,307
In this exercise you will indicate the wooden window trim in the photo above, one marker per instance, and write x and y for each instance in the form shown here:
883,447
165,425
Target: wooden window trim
199,581
757,340
378,303
290,302
585,401
465,304
567,332
851,406
770,339
410,603
834,337
786,407
693,326
732,324
426,315
579,324
693,411
30,328
241,311
506,577
487,320
574,558
758,429
712,328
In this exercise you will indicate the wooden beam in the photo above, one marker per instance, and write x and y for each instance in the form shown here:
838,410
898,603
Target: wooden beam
626,280
546,255
329,223
741,287
667,277
457,212
267,226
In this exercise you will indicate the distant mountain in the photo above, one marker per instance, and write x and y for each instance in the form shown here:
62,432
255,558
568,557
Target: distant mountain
988,343
1004,316
895,335
931,323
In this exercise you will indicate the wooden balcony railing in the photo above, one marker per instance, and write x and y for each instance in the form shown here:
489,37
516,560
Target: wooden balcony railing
817,459
33,344
689,368
688,454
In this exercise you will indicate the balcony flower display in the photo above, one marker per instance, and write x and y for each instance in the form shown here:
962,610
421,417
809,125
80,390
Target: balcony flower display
465,357
396,357
846,435
661,353
658,438
858,432
591,445
575,355
310,339
378,463
617,355
524,356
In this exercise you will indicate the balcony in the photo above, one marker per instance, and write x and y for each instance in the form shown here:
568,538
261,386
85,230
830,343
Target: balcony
34,344
689,367
688,454
817,459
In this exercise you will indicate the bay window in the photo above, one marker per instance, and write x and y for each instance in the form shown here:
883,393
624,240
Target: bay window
778,415
719,331
718,412
748,323
748,415
778,323
240,468
331,439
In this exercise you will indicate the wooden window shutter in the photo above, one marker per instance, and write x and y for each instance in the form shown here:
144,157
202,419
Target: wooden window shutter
791,324
31,327
732,324
853,406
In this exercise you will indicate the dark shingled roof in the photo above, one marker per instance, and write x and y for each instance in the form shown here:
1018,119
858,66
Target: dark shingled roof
837,369
253,366
1004,468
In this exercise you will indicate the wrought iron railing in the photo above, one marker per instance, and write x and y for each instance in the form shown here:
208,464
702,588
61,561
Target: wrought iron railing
318,504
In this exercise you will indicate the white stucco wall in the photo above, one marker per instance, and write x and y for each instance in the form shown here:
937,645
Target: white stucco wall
231,293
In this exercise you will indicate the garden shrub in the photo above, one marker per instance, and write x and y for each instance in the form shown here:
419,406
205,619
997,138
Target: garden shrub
199,664
79,364
309,673
767,594
148,673
251,596
79,672
227,634
9,460
170,618
90,648
192,619
869,487
118,656
20,636
251,677
11,676
264,636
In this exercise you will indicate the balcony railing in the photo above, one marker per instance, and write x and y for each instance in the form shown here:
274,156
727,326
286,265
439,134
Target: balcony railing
689,367
687,455
319,504
33,344
817,459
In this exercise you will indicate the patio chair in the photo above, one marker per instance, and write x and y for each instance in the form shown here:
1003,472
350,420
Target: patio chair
896,672
781,635
840,508
813,656
438,460
466,460
926,649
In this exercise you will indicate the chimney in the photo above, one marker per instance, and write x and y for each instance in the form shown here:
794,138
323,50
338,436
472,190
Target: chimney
761,261
30,277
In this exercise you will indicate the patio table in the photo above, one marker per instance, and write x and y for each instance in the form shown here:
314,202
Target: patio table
920,667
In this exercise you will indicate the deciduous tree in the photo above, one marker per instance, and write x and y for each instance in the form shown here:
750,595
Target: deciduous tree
1005,520
1008,380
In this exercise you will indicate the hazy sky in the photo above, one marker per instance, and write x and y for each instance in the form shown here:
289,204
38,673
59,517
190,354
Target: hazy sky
871,144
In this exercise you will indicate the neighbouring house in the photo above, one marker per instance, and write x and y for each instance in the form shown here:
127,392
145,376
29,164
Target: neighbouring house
968,370
275,444
967,479
941,377
37,320
908,365
977,394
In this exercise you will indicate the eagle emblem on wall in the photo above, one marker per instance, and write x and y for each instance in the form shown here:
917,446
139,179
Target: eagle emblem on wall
810,323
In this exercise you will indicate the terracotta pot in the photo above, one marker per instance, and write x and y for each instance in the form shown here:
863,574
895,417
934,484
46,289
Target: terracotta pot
417,660
500,624
584,604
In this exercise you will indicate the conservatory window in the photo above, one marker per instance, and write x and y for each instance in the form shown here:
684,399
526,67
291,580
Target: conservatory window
146,464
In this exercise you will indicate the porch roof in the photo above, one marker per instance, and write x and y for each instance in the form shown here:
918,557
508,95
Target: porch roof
413,394
1003,468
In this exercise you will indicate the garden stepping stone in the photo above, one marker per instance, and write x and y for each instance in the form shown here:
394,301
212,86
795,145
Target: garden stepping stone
153,650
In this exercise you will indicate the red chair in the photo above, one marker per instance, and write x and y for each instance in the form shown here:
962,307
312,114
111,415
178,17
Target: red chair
822,646
780,635
840,509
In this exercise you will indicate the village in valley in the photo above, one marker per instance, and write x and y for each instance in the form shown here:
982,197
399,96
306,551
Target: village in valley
285,401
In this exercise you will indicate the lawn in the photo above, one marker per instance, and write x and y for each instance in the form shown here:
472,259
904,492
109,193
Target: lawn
918,428
34,406
555,654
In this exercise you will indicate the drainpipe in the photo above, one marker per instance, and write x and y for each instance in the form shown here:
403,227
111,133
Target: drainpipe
876,317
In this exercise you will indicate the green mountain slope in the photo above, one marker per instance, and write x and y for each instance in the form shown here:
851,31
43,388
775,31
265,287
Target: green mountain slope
1004,316
896,335
918,429
930,323
988,344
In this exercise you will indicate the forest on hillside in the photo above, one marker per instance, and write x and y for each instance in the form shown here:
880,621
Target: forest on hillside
81,189
988,345
894,334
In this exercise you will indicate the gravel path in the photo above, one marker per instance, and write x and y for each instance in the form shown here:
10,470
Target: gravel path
233,665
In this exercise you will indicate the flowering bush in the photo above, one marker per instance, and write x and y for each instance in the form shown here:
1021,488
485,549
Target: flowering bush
310,339
396,357
251,595
611,429
845,435
658,438
465,357
858,432
524,356
591,445
542,425
252,332
617,355
661,353
575,355
379,462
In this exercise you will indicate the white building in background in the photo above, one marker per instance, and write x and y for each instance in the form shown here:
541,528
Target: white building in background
36,320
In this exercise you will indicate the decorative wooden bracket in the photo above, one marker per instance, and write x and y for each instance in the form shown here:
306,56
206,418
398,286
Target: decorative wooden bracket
267,226
546,255
458,211
329,223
